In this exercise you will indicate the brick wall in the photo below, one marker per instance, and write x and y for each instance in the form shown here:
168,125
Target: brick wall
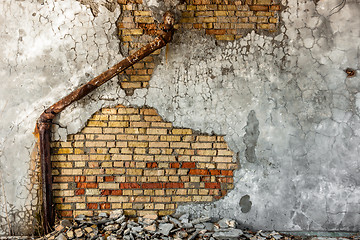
226,20
130,158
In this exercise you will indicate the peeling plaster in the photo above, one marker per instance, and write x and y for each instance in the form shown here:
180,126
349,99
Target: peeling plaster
306,176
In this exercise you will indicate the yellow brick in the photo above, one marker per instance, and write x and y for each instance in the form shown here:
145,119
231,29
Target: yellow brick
113,130
75,199
207,19
204,14
161,124
118,124
78,151
108,185
63,206
179,145
93,171
96,199
111,171
201,145
188,20
159,131
127,192
139,124
148,206
96,124
99,157
266,26
138,144
92,130
78,157
143,158
206,152
78,137
62,164
58,158
101,117
80,206
144,19
95,144
71,171
153,172
225,153
170,138
64,193
168,158
200,159
136,78
187,14
64,151
118,198
109,110
120,179
140,150
273,20
181,199
181,131
158,144
224,13
225,37
92,191
78,144
163,165
126,38
134,171
222,159
244,14
203,198
142,13
190,7
206,165
165,212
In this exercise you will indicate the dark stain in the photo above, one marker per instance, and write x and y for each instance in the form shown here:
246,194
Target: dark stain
245,204
350,72
251,136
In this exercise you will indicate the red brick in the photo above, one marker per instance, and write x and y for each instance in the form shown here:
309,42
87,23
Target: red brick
212,185
188,165
116,192
215,172
80,191
173,185
129,185
198,172
109,178
80,178
105,192
227,172
151,165
92,206
152,185
104,205
66,213
175,165
87,185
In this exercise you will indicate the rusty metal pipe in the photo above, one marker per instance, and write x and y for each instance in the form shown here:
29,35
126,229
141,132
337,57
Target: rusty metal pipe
44,123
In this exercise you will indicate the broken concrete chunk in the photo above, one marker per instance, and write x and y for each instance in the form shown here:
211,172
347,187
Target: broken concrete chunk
79,232
165,228
61,236
65,223
151,216
112,227
116,214
151,228
200,220
103,214
232,233
70,234
209,226
226,223
184,218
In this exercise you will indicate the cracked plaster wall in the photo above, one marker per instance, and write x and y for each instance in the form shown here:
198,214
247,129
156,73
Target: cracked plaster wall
305,175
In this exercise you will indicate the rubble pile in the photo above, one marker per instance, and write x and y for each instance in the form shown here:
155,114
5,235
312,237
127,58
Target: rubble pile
117,226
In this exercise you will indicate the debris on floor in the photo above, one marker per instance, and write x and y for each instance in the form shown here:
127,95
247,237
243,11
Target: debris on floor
117,226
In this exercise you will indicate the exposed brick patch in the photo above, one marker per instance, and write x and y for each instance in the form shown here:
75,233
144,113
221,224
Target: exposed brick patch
226,20
130,158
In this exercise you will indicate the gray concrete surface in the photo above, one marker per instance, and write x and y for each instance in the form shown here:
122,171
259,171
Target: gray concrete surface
284,103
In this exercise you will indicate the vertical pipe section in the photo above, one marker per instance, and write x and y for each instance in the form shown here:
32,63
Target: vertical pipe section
45,121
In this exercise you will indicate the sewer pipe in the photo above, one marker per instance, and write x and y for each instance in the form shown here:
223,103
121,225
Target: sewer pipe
44,123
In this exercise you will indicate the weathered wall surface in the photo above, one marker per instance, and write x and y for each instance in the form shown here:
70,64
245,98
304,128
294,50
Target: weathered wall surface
283,102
